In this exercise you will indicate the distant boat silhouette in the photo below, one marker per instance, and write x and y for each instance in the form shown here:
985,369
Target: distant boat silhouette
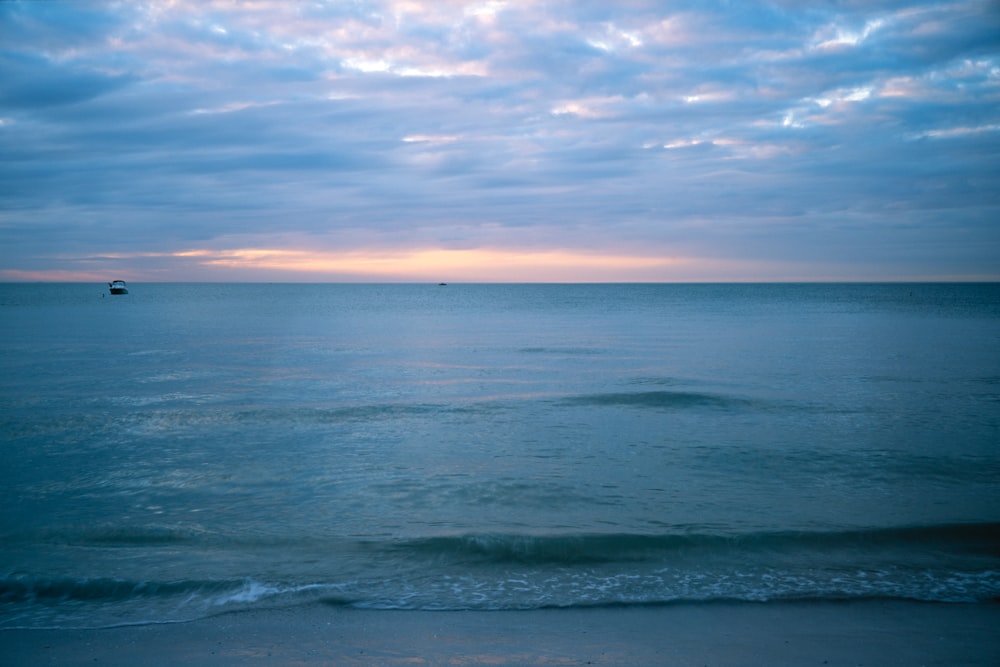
118,287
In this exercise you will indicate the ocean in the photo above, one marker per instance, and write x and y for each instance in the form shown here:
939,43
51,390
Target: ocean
189,450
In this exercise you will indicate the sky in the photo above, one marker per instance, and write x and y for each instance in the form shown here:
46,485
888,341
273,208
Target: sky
500,141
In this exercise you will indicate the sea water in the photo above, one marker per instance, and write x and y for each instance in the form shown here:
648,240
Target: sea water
192,449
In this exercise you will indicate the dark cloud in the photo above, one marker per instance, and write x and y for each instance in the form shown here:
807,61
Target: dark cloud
31,82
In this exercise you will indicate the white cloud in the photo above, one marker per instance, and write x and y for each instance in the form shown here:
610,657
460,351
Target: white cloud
594,107
835,36
961,131
430,138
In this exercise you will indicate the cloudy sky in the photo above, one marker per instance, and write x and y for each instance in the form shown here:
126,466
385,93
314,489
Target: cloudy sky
500,140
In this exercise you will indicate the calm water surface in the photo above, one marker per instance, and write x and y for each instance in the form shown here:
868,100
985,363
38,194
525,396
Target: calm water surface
191,449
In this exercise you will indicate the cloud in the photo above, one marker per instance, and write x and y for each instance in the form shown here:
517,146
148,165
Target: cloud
859,135
31,82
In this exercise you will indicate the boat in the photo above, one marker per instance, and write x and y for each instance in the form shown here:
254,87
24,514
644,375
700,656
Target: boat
118,287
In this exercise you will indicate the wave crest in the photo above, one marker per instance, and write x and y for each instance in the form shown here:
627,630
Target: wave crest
972,539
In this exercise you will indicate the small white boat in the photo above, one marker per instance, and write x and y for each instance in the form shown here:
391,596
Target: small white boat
118,287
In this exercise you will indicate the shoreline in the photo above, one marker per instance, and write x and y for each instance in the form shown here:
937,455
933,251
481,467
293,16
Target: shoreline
868,633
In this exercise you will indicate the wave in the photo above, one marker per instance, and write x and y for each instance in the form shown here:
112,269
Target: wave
569,548
662,400
27,588
980,539
42,602
570,351
937,563
159,414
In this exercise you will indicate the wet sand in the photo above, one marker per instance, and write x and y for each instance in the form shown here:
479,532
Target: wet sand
850,633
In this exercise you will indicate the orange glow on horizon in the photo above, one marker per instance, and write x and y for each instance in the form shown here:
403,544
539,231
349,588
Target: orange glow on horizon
429,264
434,264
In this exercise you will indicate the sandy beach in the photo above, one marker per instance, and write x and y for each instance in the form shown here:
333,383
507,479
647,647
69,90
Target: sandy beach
855,634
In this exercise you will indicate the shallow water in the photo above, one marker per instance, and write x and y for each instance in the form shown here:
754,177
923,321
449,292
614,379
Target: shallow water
189,449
